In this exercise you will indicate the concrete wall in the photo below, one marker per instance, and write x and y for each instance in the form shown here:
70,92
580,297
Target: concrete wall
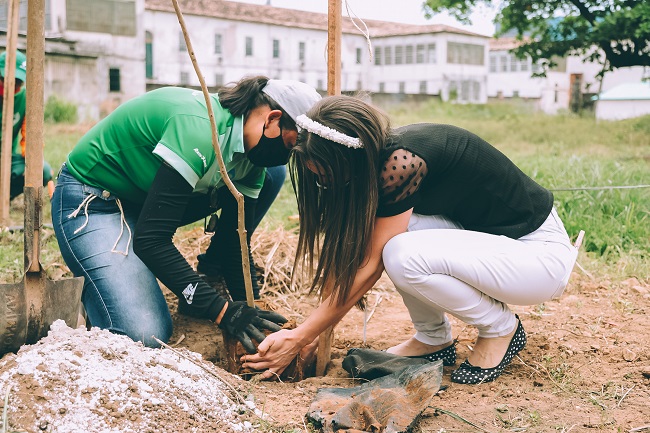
617,110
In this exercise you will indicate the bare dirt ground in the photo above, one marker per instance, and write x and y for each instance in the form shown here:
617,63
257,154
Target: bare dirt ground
586,368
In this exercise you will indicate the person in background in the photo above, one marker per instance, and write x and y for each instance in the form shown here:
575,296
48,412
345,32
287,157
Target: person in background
457,227
149,168
19,133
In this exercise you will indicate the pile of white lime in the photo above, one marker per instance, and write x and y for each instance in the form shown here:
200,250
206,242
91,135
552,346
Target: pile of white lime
76,380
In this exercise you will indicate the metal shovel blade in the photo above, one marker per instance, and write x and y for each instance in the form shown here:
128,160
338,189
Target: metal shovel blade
28,308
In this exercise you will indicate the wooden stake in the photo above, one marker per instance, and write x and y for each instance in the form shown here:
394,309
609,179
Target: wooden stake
333,88
8,112
222,168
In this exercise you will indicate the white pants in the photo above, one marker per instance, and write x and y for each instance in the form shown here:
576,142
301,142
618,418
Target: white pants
440,268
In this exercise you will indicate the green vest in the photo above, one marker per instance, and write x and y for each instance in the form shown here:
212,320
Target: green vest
19,118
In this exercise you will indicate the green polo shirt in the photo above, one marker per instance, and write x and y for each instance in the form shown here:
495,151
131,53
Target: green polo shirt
123,152
18,161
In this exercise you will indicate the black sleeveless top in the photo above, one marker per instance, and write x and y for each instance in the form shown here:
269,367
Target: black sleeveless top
444,170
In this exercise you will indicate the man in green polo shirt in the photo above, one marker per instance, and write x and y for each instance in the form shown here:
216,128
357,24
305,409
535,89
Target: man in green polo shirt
18,133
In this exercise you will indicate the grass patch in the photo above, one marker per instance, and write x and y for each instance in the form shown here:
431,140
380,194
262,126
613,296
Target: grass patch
561,151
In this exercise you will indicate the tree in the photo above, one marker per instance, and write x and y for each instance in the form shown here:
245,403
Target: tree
550,28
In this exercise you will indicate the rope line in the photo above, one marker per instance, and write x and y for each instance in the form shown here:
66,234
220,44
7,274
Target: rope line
365,33
595,188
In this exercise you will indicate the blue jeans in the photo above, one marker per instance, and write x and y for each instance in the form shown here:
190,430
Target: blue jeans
120,293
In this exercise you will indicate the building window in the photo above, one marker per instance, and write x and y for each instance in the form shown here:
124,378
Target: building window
464,90
148,54
359,85
515,93
423,87
409,54
513,63
399,55
249,46
218,80
523,65
503,63
476,87
358,56
431,53
382,87
493,62
181,42
185,78
402,86
217,43
116,17
114,80
388,55
301,51
419,54
377,55
276,48
465,54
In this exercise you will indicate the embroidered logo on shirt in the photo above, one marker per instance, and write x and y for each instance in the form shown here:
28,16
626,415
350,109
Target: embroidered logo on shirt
189,292
205,161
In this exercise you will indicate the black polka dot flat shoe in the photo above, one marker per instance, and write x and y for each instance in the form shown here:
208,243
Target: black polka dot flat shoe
470,374
448,355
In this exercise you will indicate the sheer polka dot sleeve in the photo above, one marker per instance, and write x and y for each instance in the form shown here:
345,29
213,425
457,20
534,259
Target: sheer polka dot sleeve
401,177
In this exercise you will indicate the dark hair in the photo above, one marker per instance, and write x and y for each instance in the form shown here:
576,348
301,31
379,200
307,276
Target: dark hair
336,223
242,97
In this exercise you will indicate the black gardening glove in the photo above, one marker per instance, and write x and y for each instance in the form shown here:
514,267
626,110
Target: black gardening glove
246,323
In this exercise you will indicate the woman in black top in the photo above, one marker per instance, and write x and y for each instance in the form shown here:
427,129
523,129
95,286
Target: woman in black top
457,226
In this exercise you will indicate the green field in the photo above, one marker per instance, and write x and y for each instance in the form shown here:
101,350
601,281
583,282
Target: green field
561,151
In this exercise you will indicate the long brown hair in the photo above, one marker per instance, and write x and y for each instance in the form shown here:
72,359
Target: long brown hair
336,223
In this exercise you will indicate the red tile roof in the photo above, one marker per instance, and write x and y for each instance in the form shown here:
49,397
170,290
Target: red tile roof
294,18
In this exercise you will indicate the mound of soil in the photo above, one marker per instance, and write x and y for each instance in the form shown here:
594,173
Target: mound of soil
76,380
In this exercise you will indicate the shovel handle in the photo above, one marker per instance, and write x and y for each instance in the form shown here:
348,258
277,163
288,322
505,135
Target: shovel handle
34,136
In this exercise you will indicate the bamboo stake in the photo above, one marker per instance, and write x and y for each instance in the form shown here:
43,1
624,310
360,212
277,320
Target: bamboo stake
333,88
8,111
222,168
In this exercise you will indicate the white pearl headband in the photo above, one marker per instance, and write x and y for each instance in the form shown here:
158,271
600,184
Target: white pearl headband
328,133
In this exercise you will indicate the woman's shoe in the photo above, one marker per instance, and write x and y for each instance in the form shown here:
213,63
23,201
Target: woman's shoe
470,374
448,355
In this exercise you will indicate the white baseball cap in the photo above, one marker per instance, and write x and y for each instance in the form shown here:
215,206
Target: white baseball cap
295,97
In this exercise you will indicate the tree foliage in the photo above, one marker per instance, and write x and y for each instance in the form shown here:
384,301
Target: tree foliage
549,28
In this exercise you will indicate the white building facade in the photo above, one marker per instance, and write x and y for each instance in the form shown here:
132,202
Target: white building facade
568,86
94,51
232,40
100,53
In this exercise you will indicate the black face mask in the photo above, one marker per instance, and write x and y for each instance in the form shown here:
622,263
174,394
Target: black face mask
269,152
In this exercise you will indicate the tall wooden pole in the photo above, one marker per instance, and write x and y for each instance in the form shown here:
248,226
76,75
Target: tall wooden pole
333,88
334,47
8,111
34,126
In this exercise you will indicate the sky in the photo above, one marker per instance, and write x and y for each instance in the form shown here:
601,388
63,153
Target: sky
403,11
